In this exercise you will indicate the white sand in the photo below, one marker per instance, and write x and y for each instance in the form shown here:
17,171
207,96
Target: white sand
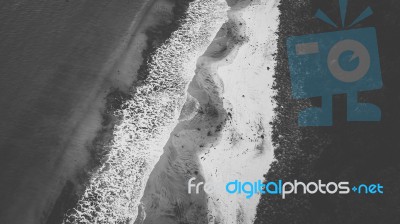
231,76
241,153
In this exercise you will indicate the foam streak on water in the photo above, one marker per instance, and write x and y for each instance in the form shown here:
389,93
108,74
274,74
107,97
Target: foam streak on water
114,191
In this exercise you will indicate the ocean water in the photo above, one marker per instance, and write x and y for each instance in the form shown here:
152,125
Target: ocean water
56,60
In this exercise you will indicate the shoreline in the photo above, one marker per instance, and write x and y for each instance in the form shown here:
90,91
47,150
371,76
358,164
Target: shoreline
215,128
153,40
133,51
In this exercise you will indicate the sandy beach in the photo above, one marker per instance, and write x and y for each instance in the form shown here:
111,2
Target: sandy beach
223,129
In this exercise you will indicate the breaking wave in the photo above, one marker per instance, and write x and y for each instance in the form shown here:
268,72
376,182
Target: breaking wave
114,191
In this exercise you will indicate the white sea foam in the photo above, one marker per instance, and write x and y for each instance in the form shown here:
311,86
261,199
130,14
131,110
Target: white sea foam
114,191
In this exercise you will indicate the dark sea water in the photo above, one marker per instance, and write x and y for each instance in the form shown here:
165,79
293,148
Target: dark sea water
56,64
